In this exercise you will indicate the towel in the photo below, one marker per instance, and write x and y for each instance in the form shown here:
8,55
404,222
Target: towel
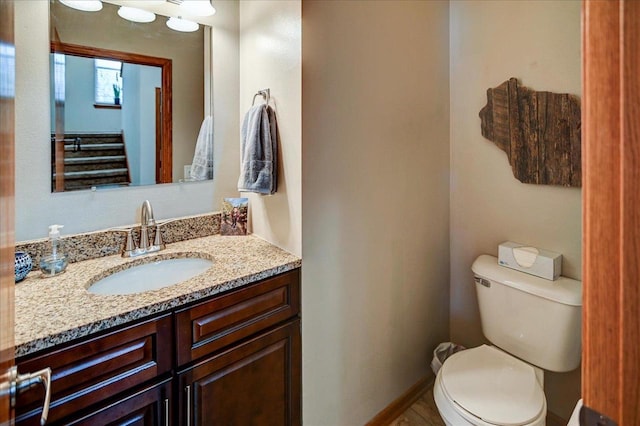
202,164
259,151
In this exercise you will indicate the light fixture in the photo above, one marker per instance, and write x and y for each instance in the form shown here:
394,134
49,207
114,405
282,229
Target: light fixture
182,25
198,7
83,5
136,15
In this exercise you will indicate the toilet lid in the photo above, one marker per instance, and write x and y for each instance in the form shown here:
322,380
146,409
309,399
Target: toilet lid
493,385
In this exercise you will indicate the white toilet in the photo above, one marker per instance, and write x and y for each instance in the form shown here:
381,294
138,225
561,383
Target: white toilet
534,324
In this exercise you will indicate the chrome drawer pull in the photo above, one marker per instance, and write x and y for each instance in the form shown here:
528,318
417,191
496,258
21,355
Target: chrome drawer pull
22,382
188,390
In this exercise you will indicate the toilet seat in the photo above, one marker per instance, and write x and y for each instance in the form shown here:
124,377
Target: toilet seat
487,384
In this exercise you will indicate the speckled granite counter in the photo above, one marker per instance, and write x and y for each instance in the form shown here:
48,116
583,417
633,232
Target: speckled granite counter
50,311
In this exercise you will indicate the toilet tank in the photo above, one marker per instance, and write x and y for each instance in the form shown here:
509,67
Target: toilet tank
536,320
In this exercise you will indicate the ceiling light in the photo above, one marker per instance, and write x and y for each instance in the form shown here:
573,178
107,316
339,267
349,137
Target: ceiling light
136,15
84,5
182,25
198,7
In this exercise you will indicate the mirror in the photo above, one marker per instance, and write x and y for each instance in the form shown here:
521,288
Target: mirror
128,100
84,211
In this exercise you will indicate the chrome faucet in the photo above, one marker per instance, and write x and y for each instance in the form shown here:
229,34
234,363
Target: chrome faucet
146,219
145,246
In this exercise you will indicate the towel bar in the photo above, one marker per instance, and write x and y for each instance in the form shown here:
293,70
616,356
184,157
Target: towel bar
266,95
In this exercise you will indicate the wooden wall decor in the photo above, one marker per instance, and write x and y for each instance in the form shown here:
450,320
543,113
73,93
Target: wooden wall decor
539,131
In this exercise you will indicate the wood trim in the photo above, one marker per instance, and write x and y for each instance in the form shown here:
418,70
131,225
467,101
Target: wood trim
126,156
402,403
7,218
166,149
166,166
97,52
611,205
158,99
630,226
601,206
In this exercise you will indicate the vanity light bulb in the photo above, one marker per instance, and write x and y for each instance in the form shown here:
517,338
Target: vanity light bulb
83,5
179,24
136,15
198,7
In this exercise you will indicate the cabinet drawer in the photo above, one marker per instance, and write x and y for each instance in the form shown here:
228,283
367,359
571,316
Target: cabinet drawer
150,406
212,325
98,368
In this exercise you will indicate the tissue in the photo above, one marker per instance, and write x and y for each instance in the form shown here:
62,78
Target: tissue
539,262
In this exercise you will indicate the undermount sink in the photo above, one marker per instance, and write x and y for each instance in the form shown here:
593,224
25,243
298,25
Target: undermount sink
150,276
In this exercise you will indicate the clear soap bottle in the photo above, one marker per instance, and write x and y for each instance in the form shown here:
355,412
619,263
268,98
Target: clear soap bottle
54,261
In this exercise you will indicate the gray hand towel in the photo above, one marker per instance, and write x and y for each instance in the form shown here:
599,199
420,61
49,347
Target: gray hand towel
258,151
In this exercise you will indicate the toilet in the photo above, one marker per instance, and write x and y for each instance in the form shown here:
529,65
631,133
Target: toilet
534,325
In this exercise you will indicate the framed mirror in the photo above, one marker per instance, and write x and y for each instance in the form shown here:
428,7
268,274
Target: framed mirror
128,100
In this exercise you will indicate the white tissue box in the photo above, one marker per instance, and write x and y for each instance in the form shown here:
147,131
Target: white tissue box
541,263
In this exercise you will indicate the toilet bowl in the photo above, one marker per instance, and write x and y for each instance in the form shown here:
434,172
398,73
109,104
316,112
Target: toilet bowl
534,324
485,386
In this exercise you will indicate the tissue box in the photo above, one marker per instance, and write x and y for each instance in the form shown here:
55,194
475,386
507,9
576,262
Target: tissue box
541,263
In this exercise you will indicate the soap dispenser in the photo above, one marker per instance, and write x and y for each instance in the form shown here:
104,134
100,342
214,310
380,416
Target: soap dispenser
55,261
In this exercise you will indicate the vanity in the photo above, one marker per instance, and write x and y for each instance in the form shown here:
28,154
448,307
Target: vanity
222,347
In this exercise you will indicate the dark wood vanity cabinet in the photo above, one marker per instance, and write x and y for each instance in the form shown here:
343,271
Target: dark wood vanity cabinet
86,373
232,359
246,348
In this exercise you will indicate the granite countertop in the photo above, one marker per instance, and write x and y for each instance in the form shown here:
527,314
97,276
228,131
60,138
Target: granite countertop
51,311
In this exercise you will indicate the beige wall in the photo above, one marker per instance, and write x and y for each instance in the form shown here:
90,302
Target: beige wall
375,214
539,43
270,52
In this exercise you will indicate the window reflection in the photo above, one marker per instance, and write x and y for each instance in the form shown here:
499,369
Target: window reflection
8,65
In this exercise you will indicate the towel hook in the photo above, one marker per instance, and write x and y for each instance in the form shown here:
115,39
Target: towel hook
266,95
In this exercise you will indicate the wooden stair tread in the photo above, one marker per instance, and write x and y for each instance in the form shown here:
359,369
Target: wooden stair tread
94,146
94,173
93,160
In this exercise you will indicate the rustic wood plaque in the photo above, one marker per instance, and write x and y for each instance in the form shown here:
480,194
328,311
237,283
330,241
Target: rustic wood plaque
539,131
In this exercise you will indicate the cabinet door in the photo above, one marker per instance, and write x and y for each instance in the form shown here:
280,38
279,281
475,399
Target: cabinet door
149,407
254,383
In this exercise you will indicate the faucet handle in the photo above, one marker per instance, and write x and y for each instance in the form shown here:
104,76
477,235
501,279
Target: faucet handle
130,247
157,240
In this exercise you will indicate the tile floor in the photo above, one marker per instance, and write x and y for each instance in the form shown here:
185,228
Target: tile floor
423,412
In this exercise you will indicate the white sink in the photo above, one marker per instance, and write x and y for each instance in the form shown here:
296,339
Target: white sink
150,276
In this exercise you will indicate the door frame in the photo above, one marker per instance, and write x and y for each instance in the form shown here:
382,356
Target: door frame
7,200
611,206
164,133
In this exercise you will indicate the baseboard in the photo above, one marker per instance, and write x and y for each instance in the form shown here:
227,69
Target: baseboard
402,403
555,420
